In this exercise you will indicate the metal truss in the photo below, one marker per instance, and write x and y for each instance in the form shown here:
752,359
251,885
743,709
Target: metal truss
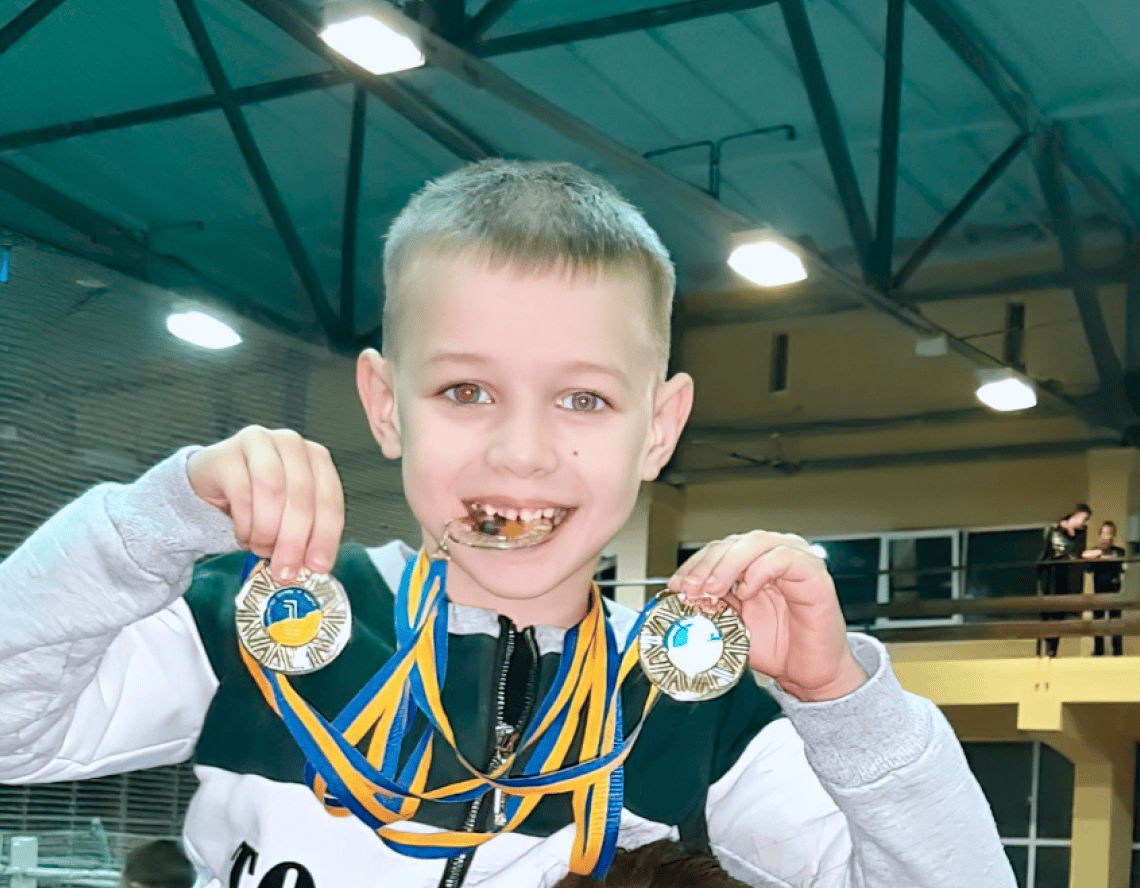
1049,157
255,162
593,29
830,130
457,44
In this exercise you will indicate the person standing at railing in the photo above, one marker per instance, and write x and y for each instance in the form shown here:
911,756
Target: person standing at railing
1107,571
1061,571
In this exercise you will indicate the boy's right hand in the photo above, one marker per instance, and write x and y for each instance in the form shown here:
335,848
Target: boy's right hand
282,493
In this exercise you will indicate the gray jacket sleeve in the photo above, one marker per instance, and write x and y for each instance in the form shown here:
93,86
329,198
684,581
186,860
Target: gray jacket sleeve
868,791
101,667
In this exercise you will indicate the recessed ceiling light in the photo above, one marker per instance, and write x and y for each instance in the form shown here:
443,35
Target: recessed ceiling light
373,45
199,328
767,263
1007,395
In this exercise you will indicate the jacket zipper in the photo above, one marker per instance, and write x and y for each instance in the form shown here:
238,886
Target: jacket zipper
506,736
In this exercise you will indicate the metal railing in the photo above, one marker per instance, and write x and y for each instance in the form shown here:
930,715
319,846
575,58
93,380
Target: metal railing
871,617
23,868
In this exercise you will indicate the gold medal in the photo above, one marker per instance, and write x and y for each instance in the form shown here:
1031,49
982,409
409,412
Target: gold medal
691,655
295,627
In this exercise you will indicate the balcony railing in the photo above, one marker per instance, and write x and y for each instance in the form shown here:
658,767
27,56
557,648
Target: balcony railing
870,617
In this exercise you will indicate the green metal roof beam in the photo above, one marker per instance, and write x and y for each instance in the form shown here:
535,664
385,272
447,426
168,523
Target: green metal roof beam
259,171
830,130
882,251
485,18
116,248
608,26
351,214
1047,163
970,46
955,215
247,95
418,109
25,21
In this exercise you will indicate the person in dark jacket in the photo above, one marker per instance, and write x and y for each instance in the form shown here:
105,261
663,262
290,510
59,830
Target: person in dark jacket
1060,570
1107,571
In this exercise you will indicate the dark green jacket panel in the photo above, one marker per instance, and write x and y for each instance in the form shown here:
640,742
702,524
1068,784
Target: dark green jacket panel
682,750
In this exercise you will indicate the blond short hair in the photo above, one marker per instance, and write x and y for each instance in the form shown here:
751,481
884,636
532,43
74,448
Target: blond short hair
529,215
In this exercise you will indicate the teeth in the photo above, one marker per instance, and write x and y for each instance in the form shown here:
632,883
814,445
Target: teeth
555,515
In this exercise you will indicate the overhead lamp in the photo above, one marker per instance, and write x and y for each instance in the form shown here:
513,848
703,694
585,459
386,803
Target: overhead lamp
768,263
358,32
203,330
1007,394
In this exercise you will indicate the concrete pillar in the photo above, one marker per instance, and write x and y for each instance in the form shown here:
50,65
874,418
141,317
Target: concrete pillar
1103,757
647,545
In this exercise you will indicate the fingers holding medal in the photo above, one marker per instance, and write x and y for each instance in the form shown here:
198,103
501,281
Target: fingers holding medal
786,599
295,627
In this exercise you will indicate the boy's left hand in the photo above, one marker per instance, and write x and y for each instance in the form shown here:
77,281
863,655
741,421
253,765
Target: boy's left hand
786,598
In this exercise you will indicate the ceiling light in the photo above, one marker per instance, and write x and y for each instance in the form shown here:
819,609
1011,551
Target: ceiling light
1007,394
767,263
373,45
199,328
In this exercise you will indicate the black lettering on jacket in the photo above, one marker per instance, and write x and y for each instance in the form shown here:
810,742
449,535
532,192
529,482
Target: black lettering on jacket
245,860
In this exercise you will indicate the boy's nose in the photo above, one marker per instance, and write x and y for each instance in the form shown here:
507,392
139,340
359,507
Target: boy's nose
523,444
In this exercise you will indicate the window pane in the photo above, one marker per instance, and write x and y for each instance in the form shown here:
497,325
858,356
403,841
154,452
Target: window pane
1003,770
1052,869
987,551
1136,807
1019,859
1054,796
854,565
912,577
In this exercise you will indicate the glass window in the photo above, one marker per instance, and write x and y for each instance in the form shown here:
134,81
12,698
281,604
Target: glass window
1055,796
1019,859
1051,869
854,565
987,551
1004,771
914,564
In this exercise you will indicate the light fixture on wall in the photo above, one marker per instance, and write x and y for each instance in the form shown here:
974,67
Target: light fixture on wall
202,330
766,259
1007,393
359,32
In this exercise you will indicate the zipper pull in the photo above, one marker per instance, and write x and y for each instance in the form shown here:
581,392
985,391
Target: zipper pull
500,807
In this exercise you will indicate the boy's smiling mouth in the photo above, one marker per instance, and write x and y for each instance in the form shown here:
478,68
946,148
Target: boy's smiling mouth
500,524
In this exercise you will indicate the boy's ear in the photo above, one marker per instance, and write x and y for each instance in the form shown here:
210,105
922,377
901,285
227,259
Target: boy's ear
672,403
375,381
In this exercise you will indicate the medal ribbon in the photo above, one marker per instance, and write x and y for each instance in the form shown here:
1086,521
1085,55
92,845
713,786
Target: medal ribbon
374,787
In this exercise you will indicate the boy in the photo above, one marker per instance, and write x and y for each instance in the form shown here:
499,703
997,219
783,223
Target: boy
157,864
523,383
1107,571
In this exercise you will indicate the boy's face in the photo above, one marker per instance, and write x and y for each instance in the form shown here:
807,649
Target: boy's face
524,390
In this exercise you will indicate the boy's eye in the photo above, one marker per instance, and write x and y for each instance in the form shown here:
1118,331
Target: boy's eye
582,402
467,393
